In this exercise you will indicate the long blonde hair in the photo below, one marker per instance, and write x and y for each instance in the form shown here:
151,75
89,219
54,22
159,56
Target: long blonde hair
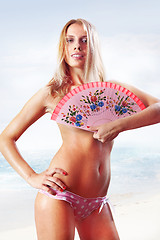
93,70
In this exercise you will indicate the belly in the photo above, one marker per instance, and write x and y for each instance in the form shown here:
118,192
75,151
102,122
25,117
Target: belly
87,165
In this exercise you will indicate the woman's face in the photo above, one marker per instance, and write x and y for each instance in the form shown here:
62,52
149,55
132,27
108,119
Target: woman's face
76,46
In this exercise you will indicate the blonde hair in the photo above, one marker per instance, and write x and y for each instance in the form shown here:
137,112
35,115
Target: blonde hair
93,70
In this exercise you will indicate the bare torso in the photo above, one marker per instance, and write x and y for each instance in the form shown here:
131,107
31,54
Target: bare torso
86,160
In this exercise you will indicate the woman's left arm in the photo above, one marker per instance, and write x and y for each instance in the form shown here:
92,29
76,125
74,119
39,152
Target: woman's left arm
149,116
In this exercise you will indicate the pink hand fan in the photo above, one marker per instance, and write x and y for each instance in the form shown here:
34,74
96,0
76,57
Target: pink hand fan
95,103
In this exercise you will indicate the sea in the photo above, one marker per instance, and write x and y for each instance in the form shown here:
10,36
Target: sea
133,169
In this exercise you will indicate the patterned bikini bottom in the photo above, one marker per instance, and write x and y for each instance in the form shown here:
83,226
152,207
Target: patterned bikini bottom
82,207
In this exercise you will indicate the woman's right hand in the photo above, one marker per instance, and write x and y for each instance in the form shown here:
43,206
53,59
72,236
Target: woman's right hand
47,181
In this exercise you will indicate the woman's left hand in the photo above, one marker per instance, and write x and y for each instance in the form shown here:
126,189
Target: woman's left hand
106,132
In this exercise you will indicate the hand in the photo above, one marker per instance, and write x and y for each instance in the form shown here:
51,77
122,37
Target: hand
106,132
46,180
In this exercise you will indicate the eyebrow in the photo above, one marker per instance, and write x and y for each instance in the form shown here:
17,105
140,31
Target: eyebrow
74,36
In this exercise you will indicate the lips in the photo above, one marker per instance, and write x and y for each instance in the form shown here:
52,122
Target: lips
77,55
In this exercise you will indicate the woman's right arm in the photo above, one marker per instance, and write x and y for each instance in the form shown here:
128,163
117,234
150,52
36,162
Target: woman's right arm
35,108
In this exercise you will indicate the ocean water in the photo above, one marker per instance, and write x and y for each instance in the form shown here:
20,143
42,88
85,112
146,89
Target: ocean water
132,170
135,170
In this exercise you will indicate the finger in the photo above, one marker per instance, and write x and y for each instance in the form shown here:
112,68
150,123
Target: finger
101,140
93,128
96,135
56,170
45,187
48,189
57,181
52,191
54,185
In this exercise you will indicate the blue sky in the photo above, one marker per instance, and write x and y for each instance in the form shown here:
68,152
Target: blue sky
110,17
130,40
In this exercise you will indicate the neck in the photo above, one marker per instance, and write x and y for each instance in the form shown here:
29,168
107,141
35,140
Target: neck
77,75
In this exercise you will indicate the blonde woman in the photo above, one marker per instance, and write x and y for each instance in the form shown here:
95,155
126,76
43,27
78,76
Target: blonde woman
74,187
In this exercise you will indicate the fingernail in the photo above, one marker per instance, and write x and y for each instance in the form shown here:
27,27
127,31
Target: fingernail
64,173
64,188
61,190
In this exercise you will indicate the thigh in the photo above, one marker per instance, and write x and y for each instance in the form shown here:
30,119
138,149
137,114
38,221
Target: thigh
98,226
54,219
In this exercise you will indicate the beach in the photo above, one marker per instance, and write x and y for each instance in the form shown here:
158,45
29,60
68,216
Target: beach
137,216
133,192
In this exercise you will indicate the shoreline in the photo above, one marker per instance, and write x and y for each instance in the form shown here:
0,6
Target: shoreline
137,216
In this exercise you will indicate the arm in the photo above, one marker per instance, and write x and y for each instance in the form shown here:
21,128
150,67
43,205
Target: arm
35,108
149,116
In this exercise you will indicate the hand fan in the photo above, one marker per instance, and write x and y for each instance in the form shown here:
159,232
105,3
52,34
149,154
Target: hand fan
96,103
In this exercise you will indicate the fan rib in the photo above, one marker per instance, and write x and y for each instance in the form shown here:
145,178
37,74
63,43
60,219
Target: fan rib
108,85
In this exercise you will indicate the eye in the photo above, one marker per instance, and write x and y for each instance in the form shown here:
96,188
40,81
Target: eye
84,40
69,40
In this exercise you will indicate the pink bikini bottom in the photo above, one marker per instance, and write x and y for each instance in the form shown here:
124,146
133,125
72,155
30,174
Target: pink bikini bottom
83,207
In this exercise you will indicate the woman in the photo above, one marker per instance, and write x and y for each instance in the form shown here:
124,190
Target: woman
79,173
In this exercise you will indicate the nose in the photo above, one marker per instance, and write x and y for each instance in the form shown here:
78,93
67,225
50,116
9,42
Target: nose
77,46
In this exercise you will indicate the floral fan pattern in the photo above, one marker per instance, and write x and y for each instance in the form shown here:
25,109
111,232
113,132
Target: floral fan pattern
96,103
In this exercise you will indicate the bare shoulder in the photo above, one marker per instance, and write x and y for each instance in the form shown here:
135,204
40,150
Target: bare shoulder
50,100
38,100
44,100
146,98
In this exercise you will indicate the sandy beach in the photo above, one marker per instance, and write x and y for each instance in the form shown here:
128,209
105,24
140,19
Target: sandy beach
137,216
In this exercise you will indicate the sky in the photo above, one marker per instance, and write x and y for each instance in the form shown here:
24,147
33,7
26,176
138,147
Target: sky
129,34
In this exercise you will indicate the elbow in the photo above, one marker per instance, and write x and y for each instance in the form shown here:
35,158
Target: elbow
157,105
4,140
1,141
157,111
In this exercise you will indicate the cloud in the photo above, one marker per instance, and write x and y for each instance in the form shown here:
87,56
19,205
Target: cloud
24,69
133,59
